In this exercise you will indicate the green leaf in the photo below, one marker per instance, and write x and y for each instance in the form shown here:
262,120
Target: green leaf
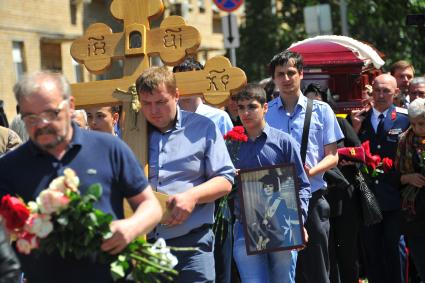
95,190
119,267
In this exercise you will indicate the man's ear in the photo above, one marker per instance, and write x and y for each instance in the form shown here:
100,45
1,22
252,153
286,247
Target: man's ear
177,94
302,74
396,91
265,107
71,104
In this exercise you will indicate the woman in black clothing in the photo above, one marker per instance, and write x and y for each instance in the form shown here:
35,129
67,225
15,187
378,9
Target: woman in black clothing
345,207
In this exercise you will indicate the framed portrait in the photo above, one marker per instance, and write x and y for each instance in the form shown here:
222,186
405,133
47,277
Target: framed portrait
270,208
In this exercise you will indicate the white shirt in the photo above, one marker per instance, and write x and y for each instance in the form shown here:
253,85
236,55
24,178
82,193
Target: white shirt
374,118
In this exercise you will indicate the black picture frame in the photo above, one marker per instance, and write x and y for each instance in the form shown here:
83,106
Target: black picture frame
270,209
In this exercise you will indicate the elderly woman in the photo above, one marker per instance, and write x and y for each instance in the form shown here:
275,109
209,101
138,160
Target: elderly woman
410,162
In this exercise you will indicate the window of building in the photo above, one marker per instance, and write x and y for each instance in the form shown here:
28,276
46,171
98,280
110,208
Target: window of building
201,6
19,59
216,24
73,12
51,56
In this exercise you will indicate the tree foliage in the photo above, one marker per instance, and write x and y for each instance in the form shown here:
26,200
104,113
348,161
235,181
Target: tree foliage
380,23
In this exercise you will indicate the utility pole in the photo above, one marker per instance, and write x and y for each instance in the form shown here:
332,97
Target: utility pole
343,12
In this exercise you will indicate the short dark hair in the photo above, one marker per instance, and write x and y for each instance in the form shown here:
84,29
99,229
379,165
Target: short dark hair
116,109
401,65
283,58
251,91
317,89
153,77
189,64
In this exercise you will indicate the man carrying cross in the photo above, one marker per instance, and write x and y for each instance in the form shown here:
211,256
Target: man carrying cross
188,160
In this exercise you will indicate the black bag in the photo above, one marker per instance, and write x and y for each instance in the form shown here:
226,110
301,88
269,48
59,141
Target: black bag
338,188
370,208
336,179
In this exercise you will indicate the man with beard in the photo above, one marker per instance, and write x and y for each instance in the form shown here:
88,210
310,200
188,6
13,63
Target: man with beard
57,143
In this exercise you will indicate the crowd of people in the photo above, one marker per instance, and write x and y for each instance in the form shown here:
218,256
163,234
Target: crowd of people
189,161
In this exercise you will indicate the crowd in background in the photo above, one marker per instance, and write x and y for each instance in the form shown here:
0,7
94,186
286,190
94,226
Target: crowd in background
341,244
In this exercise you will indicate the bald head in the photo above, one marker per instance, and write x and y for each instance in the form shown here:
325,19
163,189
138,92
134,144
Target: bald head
384,88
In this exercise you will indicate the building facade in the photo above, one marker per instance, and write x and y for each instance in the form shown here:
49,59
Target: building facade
37,35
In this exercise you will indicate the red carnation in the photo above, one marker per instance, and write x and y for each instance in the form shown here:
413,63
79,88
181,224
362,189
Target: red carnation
371,160
14,212
236,134
387,164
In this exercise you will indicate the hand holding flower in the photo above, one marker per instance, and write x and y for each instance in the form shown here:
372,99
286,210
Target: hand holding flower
122,234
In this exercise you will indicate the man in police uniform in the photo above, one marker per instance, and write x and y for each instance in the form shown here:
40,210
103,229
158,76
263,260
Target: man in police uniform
382,126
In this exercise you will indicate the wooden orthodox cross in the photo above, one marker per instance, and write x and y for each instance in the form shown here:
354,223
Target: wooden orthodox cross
172,41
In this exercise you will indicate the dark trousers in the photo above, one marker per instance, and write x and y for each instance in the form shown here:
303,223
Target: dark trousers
223,254
417,248
195,266
382,256
343,241
313,261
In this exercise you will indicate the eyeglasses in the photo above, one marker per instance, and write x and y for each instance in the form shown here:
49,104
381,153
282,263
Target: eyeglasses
47,116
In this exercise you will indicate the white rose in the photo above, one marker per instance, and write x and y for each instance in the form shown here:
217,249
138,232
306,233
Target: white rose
33,206
23,246
50,201
40,225
71,180
161,250
26,243
58,184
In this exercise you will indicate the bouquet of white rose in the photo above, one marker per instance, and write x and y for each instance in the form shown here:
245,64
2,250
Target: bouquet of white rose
63,220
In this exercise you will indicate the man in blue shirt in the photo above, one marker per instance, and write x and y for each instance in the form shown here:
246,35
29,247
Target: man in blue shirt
56,144
188,161
287,113
266,146
223,244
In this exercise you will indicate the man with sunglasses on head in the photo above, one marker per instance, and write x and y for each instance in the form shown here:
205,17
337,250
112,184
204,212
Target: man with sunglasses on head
57,143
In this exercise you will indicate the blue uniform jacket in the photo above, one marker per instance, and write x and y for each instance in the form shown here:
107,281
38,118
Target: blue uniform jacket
385,186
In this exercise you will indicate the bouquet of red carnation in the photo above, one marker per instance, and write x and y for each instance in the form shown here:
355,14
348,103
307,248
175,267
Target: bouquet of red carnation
374,163
233,138
63,220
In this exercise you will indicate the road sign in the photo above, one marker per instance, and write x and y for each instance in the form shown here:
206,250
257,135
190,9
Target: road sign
228,5
230,30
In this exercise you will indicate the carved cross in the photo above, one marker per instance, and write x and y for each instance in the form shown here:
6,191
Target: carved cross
173,40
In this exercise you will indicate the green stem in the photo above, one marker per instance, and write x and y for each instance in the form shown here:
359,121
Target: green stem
147,262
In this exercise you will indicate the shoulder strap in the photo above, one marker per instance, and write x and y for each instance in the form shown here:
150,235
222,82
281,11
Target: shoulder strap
306,129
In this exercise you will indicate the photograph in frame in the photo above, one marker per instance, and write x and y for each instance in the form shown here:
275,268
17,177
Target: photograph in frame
271,212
